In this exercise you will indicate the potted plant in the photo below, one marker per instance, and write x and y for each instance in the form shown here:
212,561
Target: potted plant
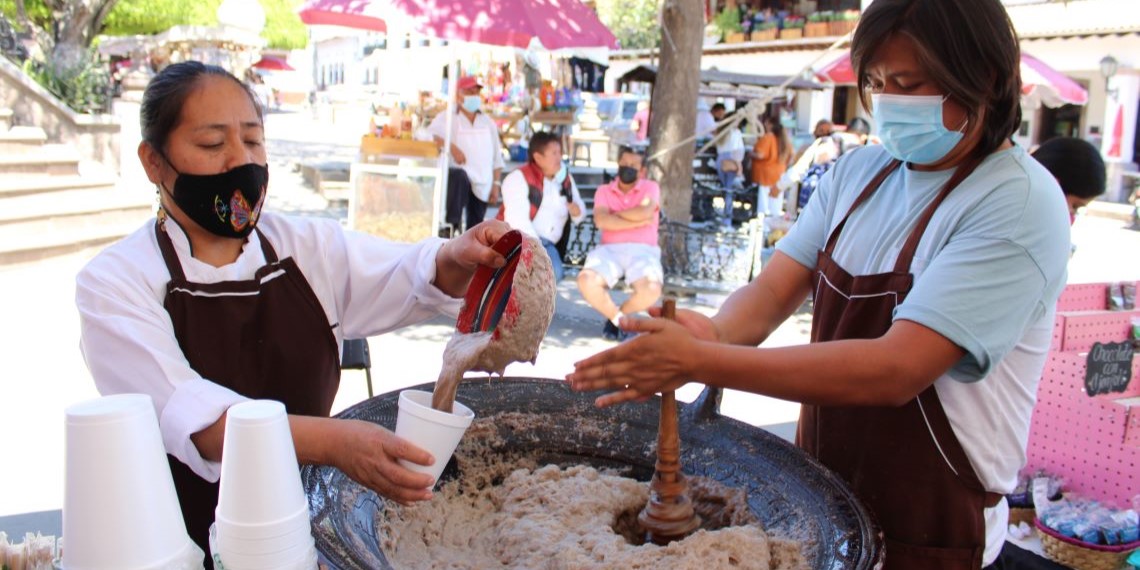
793,28
764,32
728,22
817,25
847,21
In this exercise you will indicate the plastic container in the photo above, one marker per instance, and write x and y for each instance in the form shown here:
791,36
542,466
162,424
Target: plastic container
260,481
437,432
120,509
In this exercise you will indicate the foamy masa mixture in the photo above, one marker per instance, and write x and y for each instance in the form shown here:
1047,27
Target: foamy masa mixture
575,518
519,334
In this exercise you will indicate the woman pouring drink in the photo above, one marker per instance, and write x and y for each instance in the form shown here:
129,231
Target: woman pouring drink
216,302
934,262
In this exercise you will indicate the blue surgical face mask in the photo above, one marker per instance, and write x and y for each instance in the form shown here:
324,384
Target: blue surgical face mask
472,103
560,176
911,127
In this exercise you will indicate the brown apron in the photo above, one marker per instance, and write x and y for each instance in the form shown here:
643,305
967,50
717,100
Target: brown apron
905,462
265,338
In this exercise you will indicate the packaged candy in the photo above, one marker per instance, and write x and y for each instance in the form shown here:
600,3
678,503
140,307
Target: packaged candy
1115,297
1128,292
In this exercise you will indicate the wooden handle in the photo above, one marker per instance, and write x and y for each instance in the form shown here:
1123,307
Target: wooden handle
669,308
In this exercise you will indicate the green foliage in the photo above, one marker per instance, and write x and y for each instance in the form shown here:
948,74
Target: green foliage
728,22
37,12
794,22
82,87
765,26
633,22
283,27
146,17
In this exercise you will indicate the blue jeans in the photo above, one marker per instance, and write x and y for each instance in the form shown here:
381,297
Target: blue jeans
726,179
555,259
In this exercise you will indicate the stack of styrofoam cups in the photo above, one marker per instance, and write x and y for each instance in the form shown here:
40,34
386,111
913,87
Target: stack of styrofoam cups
262,518
436,431
120,510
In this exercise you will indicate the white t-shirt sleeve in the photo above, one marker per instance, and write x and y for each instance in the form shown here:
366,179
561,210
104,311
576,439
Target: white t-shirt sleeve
496,146
438,126
577,198
128,342
516,203
387,285
982,290
813,226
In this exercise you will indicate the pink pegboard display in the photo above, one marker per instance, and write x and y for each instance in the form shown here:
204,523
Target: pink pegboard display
1075,331
1084,297
1094,443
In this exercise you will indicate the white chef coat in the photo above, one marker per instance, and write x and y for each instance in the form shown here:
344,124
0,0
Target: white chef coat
479,141
552,212
366,286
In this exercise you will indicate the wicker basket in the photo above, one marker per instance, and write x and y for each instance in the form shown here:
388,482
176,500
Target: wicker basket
1080,555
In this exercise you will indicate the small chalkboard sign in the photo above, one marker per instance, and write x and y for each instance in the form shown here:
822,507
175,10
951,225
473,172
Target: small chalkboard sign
1108,368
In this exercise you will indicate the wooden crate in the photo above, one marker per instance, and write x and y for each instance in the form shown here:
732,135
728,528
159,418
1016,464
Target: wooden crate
764,35
791,33
376,146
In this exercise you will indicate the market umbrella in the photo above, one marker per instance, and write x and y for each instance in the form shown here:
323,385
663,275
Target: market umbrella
1040,84
270,63
556,24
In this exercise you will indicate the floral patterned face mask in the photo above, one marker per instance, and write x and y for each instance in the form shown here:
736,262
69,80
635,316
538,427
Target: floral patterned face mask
226,204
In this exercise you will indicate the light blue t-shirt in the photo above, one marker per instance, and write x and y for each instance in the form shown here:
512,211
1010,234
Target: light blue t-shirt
991,262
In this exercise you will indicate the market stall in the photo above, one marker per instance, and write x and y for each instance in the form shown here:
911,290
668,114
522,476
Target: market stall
526,25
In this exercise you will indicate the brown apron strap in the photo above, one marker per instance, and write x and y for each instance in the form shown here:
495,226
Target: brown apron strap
171,257
168,255
871,187
902,262
266,247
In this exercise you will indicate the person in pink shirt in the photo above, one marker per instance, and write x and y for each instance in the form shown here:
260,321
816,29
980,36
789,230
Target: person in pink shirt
641,117
626,212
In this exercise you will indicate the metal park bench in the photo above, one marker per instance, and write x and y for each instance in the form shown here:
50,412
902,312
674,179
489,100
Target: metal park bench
695,257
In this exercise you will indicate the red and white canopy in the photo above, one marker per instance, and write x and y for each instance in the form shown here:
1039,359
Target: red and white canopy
1040,84
556,24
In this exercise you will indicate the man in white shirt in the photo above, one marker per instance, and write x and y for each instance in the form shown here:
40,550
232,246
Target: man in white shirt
729,149
541,199
706,124
474,148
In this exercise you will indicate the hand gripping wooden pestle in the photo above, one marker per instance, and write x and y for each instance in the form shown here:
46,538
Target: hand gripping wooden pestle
669,514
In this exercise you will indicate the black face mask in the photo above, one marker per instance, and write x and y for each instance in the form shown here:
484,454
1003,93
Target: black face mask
627,174
226,204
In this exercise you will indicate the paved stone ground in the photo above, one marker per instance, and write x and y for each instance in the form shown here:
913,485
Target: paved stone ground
43,372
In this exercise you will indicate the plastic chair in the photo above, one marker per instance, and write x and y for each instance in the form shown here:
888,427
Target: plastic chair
355,356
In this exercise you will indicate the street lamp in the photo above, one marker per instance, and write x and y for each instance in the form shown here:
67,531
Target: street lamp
1108,67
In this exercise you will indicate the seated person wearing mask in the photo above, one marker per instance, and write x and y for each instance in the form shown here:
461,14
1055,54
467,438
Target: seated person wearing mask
626,211
540,198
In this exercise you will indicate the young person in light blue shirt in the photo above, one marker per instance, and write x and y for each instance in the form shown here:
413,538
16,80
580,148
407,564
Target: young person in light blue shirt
934,262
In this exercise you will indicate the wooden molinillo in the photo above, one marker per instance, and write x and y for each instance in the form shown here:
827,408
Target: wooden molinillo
669,514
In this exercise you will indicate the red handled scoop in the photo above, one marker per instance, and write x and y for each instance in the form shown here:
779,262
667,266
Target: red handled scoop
490,289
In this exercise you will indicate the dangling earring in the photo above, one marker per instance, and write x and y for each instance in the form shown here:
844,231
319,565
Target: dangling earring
161,211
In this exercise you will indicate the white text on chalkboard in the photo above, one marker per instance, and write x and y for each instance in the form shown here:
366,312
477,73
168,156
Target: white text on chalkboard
1108,368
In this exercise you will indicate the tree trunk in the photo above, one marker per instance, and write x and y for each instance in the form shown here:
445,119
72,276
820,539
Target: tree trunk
77,22
674,104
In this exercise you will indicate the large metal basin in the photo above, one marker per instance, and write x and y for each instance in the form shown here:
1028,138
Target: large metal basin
791,493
